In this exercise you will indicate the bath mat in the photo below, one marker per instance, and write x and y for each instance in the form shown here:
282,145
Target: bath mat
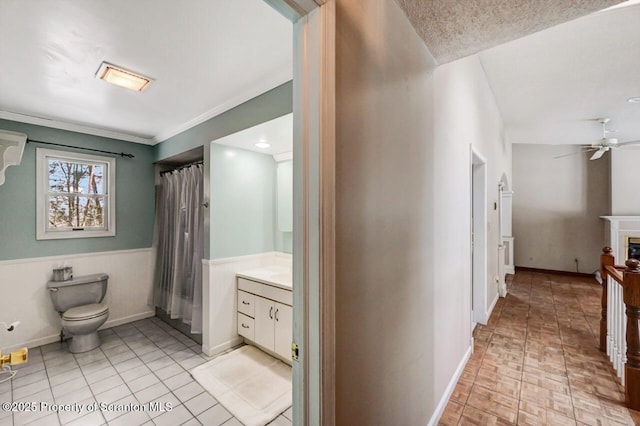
250,384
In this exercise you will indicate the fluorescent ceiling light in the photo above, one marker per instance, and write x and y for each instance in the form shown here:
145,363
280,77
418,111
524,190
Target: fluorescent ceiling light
635,100
123,78
263,145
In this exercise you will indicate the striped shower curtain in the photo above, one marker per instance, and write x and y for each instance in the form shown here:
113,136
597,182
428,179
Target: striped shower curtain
179,236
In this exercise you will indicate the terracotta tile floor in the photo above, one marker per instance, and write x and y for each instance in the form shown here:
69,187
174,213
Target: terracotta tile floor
537,361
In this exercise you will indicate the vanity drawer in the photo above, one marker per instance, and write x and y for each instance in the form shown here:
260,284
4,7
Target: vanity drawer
247,303
267,291
246,326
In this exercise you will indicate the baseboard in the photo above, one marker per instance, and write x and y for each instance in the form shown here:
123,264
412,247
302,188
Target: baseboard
56,337
485,318
554,272
490,310
449,390
33,343
126,320
222,346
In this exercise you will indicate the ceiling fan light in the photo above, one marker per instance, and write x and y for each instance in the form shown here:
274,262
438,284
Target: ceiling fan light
122,77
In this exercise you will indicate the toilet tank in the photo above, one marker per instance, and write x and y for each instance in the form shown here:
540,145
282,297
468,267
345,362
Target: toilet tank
82,290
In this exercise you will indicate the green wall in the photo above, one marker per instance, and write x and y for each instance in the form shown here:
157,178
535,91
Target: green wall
222,240
272,104
242,202
284,207
134,183
134,197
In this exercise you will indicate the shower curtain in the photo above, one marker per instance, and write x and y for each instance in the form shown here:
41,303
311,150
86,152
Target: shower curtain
179,245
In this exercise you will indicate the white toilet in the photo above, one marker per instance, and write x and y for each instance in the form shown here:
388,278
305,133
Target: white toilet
79,301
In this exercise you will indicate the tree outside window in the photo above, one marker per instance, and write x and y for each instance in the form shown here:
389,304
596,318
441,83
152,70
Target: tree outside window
78,194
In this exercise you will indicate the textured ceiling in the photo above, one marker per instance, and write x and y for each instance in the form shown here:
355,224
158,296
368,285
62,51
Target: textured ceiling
453,29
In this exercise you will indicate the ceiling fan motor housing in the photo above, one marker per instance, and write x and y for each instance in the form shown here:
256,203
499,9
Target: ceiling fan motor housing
605,143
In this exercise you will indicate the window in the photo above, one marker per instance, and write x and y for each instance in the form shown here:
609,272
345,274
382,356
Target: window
76,195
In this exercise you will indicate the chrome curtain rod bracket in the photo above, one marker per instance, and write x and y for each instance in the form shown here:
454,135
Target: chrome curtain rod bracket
121,154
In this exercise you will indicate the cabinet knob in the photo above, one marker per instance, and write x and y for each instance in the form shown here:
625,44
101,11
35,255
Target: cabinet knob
277,314
271,313
244,302
244,325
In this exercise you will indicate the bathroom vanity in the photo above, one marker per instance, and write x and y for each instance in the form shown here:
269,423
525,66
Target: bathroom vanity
265,315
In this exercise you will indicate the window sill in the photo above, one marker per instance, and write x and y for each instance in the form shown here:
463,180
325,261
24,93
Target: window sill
62,235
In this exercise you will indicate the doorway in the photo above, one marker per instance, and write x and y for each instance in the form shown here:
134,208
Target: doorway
478,238
313,203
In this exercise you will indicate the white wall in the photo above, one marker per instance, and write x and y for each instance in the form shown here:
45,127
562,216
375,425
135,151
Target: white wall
556,207
403,215
26,299
625,195
385,323
465,113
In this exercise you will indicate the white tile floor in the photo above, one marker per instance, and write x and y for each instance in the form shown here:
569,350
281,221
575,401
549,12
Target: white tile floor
138,363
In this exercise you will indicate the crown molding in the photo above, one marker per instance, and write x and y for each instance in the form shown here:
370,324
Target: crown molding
72,127
264,85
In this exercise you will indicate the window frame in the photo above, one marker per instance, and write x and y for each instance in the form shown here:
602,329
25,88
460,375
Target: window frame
43,232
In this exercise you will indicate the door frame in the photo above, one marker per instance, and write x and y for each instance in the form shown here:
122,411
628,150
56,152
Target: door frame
313,208
478,236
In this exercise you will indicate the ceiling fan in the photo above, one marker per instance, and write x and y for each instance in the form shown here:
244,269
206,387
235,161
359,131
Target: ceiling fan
606,143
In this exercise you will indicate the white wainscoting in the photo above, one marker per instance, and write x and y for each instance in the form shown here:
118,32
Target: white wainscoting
25,298
219,297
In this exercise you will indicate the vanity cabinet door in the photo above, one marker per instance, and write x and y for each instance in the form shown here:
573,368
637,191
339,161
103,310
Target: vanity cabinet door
283,317
264,322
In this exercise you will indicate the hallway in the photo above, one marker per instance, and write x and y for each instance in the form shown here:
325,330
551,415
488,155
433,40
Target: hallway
537,360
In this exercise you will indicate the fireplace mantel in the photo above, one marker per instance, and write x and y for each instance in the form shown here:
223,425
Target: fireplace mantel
619,228
621,218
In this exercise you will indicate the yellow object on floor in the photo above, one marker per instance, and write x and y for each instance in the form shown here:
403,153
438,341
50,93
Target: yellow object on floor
14,358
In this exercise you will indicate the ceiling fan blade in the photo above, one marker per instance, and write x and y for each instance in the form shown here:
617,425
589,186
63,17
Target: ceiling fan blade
599,153
583,149
627,144
566,155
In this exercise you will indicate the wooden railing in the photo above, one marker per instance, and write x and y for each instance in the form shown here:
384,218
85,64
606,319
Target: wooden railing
620,322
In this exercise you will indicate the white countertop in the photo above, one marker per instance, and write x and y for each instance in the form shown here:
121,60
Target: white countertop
277,276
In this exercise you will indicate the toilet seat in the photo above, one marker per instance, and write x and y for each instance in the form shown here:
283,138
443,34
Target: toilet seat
85,312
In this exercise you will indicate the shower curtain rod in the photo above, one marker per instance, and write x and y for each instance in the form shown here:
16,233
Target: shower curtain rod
184,166
121,154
